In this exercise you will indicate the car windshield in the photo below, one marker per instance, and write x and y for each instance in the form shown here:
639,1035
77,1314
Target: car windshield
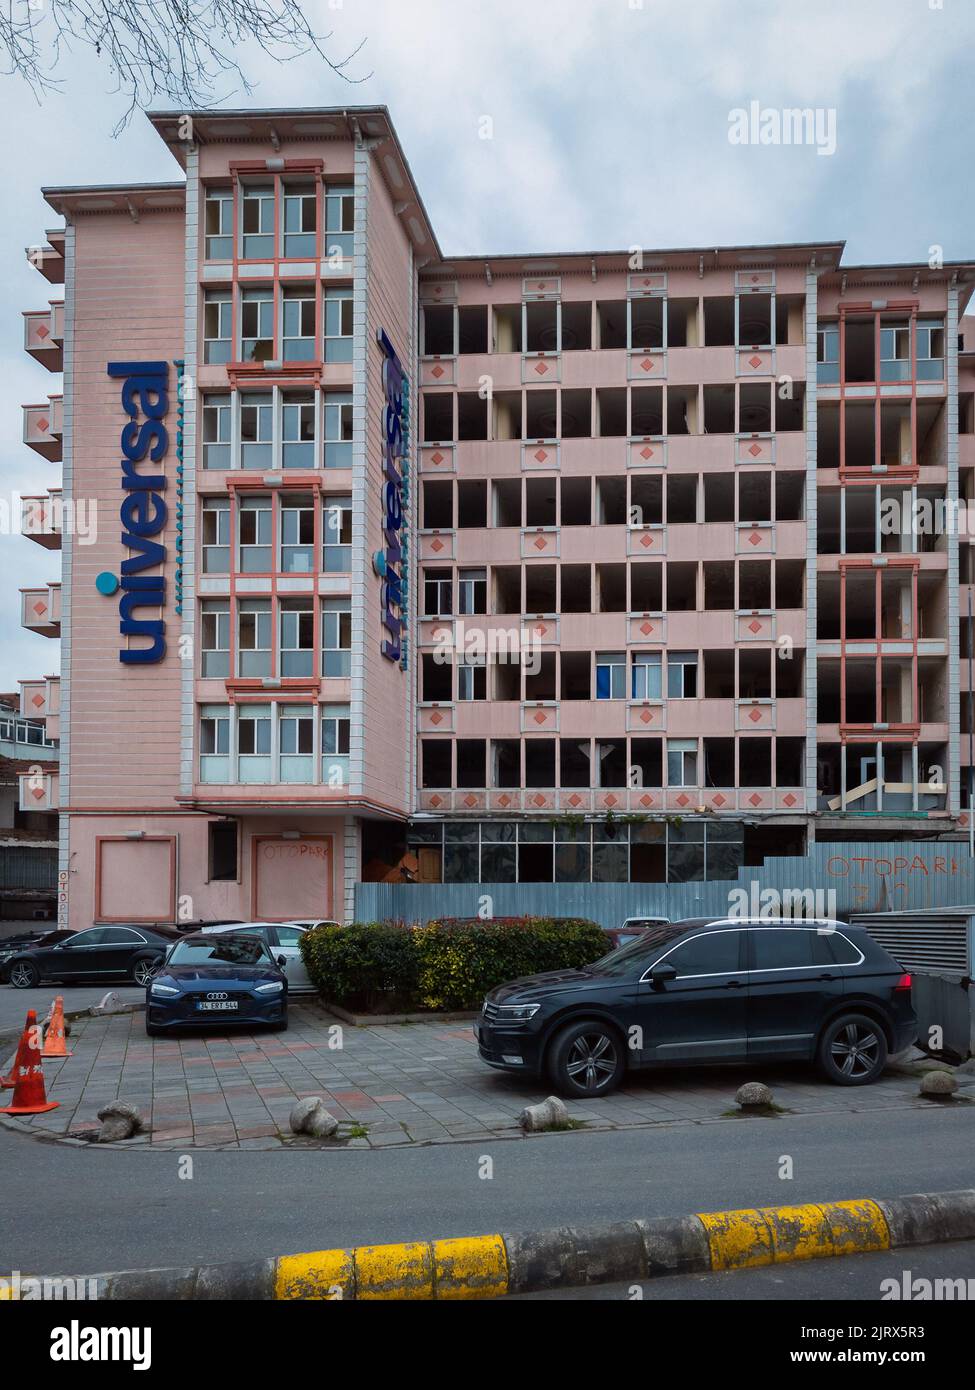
635,956
219,950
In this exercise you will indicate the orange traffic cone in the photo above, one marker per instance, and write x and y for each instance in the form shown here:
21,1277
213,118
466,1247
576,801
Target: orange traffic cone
54,1044
30,1098
6,1082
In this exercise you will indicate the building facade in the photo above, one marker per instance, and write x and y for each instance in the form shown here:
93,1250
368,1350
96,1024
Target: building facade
638,566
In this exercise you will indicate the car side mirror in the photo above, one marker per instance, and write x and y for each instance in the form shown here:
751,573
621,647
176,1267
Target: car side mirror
282,961
660,974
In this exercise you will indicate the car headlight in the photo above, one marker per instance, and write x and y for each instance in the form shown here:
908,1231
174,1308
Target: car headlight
517,1013
272,987
158,988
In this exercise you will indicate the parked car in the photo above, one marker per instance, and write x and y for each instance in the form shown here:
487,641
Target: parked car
95,953
707,990
632,928
189,927
222,977
284,940
13,946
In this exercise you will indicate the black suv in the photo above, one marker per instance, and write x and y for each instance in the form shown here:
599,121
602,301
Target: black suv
707,990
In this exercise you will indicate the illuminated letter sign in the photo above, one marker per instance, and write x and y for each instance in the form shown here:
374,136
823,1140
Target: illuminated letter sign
145,400
390,563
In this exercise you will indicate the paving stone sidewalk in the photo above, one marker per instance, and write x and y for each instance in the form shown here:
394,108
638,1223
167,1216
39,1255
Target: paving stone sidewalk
392,1084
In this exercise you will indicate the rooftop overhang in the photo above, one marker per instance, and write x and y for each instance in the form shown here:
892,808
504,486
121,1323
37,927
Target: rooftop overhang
369,124
857,282
132,199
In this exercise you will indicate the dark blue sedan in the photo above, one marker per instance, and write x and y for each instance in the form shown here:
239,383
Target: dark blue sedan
222,979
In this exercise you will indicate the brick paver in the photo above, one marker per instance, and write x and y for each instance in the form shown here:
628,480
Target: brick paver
415,1083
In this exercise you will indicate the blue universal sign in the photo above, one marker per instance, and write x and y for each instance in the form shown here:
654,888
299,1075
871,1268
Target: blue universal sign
143,512
390,563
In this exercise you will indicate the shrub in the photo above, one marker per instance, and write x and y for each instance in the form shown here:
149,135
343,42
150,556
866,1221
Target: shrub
442,965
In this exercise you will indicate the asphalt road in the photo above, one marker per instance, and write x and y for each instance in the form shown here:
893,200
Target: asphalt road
85,1210
14,1003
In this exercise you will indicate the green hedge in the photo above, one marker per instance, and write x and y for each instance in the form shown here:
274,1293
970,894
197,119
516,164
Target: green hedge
379,967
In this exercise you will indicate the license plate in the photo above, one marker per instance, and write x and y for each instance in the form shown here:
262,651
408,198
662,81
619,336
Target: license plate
222,1005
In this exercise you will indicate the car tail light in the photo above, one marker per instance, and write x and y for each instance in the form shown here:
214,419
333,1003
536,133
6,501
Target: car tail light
904,983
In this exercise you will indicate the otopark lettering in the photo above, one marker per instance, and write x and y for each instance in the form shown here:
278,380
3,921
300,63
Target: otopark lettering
391,563
143,511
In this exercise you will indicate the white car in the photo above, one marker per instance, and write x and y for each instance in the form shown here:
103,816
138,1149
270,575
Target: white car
283,939
636,926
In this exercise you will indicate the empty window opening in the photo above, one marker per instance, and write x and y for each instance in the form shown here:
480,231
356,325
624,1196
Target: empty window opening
436,757
542,326
505,762
472,503
472,416
472,328
576,501
438,417
611,322
754,320
437,679
790,576
682,416
646,323
860,350
646,411
719,321
611,588
507,589
541,414
646,587
611,501
611,411
576,414
719,410
682,330
719,584
540,762
755,674
719,497
790,312
540,503
574,766
438,506
789,667
754,407
754,762
576,676
576,588
681,587
790,496
438,330
540,589
755,584
506,415
507,328
790,410
507,683
646,500
789,757
577,326
540,684
507,502
754,497
681,498
719,762
719,675
471,762
611,763
647,756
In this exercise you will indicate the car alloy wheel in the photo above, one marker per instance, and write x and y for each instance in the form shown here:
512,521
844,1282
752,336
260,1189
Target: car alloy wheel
23,976
855,1050
144,970
592,1061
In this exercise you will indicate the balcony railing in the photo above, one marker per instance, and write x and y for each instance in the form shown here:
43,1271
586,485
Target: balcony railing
41,519
43,425
40,610
44,335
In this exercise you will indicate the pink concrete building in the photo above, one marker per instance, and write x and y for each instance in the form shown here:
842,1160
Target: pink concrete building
601,567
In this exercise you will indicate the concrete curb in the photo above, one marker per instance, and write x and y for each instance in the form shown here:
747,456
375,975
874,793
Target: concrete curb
570,1257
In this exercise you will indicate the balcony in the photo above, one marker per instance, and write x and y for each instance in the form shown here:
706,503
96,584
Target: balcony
44,335
39,791
40,610
49,259
41,518
43,425
620,800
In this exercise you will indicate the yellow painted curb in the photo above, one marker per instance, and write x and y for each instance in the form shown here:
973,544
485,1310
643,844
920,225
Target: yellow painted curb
776,1235
468,1267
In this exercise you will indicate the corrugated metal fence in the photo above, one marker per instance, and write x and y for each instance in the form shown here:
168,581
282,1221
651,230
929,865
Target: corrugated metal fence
28,868
865,877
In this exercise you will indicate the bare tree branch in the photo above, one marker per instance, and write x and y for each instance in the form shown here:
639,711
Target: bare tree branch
179,50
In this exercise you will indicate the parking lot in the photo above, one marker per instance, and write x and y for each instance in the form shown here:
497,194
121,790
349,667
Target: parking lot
388,1085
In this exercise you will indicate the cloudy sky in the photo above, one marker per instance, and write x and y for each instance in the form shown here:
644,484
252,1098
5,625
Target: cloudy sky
609,123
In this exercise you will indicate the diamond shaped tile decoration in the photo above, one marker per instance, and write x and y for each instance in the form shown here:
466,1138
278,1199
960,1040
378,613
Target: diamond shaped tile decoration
647,365
538,800
575,800
40,608
645,716
646,452
539,717
437,457
540,542
436,544
541,368
38,794
755,715
754,361
438,371
436,718
436,801
43,331
504,800
541,629
683,800
470,802
790,800
755,799
646,629
646,540
754,450
43,425
754,626
646,800
754,539
541,455
719,800
610,800
37,701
